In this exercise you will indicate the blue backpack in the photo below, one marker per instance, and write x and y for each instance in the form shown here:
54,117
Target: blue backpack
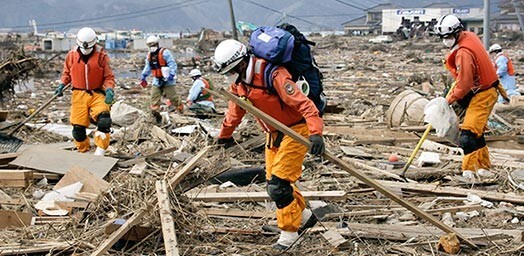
285,46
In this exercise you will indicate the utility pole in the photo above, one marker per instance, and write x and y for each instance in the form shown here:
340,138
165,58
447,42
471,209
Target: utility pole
233,23
519,15
486,24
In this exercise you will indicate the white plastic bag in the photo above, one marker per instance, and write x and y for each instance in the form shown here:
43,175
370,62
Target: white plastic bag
441,116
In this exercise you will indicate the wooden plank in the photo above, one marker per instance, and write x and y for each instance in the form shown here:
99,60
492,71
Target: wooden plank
191,164
49,176
375,169
453,191
263,196
160,134
403,233
24,249
237,213
113,238
59,161
16,178
17,201
334,238
14,219
370,182
121,231
166,218
8,157
92,184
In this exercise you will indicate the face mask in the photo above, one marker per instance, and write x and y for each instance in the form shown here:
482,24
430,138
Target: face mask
85,51
449,42
153,49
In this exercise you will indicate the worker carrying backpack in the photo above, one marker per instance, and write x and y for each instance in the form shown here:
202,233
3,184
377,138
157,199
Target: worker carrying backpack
286,46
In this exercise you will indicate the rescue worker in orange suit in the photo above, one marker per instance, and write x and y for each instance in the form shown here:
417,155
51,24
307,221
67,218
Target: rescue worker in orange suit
162,66
283,155
87,68
505,71
475,90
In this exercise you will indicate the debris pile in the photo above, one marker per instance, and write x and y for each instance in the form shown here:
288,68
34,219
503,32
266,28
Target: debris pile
167,188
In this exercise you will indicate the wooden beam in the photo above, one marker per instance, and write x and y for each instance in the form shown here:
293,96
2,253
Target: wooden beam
236,213
115,236
23,249
17,201
263,196
191,164
168,225
402,233
160,134
137,217
331,157
16,178
453,191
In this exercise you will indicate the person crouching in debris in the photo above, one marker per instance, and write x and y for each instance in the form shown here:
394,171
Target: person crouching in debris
86,67
475,90
199,99
161,64
283,155
505,71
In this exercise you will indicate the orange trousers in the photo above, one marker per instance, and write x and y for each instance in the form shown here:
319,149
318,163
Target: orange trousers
476,120
86,106
285,162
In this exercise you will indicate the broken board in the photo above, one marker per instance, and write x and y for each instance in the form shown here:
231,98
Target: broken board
91,183
59,161
14,219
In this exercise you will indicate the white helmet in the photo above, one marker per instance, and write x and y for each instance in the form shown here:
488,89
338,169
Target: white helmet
152,40
86,40
228,54
447,25
194,72
495,47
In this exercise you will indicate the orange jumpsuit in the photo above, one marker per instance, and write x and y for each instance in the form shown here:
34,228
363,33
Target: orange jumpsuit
291,107
89,81
476,80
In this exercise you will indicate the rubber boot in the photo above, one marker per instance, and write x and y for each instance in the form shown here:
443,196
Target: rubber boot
285,240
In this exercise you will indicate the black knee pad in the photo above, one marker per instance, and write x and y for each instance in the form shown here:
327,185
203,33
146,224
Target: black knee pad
469,142
104,122
280,191
79,133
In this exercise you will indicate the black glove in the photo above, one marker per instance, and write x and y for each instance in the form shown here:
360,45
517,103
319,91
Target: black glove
317,144
226,142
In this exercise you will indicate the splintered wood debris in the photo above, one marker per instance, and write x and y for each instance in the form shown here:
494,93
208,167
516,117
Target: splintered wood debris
155,191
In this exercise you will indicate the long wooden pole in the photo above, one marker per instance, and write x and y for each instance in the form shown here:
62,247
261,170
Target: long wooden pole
369,181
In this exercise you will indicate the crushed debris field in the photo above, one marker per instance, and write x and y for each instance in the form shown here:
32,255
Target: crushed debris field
167,186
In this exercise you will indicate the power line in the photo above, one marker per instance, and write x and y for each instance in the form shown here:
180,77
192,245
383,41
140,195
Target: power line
287,15
352,5
52,24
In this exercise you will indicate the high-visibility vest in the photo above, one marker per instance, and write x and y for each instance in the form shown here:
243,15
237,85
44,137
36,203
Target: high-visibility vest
156,62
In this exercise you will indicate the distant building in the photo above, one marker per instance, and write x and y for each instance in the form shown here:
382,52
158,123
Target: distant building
390,18
58,44
507,18
399,18
370,23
